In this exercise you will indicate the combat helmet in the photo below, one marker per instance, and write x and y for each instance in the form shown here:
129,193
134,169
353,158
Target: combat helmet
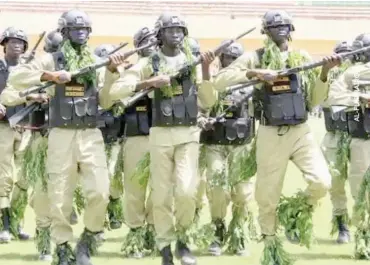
52,41
170,20
275,18
72,19
104,50
343,46
234,50
142,34
14,33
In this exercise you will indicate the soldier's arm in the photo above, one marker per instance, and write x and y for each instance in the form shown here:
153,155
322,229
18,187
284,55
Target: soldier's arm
106,80
10,97
126,85
236,72
24,76
341,92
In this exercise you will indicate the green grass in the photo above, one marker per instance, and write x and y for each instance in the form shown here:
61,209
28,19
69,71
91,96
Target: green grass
325,251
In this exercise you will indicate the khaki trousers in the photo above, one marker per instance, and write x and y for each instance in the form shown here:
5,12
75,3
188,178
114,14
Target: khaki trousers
137,209
70,152
173,167
275,147
219,197
338,196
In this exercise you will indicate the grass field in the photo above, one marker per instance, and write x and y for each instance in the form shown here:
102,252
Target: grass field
325,251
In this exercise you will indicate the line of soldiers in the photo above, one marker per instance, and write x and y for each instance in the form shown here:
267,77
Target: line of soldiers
71,142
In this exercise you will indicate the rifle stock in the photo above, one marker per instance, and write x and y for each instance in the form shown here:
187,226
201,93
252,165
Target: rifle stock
105,62
132,100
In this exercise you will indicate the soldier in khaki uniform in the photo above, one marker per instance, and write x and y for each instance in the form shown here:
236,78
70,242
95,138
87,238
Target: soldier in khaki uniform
351,91
283,133
174,137
75,145
13,144
227,139
337,130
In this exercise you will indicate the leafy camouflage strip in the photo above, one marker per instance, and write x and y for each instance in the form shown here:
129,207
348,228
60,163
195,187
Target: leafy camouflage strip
43,240
69,254
134,242
295,215
117,178
236,235
202,163
91,239
342,154
115,209
142,170
17,210
79,199
335,225
39,161
274,253
78,60
361,219
28,171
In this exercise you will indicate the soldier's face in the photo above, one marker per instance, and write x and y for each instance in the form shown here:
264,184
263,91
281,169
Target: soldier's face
227,59
279,34
79,35
146,52
173,37
15,46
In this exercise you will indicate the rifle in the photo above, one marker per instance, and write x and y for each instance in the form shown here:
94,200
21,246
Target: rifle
121,45
33,52
105,62
297,69
130,101
20,115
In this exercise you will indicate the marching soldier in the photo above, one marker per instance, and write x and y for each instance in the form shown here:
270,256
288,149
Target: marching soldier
13,144
112,133
224,144
351,91
173,137
75,145
281,106
138,206
335,149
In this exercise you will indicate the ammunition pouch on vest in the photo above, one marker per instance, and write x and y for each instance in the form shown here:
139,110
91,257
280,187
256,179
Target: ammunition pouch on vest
110,126
179,110
4,74
359,123
284,102
238,128
74,105
139,118
335,121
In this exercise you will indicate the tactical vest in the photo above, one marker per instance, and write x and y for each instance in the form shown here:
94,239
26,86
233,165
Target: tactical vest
138,118
359,123
283,102
110,126
335,121
74,105
4,74
179,110
238,129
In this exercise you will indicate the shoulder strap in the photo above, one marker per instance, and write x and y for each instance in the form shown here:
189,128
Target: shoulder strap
3,65
260,53
155,64
59,60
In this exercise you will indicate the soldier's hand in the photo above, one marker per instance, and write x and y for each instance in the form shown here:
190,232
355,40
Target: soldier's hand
331,61
159,81
59,77
207,58
266,75
115,59
39,98
2,111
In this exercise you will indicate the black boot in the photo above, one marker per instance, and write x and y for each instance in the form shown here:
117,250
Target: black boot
114,221
86,247
183,253
5,219
64,255
166,254
215,249
343,236
21,234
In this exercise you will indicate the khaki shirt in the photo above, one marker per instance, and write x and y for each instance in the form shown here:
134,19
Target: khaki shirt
344,91
165,136
10,97
25,76
236,73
